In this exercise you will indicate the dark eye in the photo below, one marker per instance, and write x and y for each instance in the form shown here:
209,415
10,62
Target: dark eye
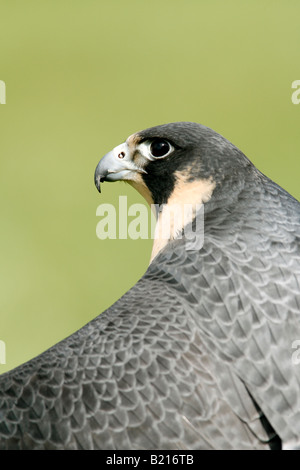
159,148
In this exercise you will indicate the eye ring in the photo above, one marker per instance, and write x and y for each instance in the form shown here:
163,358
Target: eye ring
148,148
160,148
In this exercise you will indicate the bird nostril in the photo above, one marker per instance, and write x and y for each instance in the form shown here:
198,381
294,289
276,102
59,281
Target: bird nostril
121,155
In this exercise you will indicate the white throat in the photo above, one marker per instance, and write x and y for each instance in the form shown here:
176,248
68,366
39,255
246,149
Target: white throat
180,210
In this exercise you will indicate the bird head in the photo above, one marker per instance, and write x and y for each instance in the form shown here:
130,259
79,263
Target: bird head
172,158
177,164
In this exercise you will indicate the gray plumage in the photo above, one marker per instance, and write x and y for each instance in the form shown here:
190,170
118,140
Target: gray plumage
198,354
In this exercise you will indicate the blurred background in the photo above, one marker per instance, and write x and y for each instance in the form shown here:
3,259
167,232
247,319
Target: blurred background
83,75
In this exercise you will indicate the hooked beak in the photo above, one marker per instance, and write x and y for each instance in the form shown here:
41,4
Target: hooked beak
116,165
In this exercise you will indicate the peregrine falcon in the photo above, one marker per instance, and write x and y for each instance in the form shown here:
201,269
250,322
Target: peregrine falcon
199,353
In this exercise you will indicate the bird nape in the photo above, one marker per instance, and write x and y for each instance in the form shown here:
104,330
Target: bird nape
199,353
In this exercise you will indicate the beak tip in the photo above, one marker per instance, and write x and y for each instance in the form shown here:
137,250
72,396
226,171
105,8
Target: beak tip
97,180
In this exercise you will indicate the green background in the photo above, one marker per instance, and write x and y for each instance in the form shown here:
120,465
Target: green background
83,75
